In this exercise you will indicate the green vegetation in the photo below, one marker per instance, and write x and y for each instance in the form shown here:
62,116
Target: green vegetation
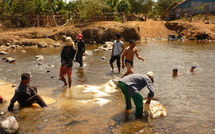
18,12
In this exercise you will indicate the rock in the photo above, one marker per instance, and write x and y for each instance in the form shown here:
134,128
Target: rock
23,51
107,46
3,53
50,65
208,22
40,64
8,125
84,58
7,44
103,58
52,77
39,57
56,45
87,52
42,45
13,47
9,59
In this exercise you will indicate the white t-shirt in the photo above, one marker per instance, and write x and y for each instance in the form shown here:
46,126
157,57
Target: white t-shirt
117,47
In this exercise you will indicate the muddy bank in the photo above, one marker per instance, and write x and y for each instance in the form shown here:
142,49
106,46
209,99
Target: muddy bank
193,31
98,32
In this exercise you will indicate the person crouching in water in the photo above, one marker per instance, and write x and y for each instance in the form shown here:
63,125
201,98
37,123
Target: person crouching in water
131,85
81,49
25,94
128,57
67,57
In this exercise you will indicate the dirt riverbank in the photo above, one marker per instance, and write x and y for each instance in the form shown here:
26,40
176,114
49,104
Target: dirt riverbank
100,32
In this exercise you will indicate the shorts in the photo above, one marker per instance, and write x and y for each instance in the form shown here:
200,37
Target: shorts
129,61
66,70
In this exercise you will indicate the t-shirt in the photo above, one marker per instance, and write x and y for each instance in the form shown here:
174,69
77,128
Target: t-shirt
67,56
117,47
136,82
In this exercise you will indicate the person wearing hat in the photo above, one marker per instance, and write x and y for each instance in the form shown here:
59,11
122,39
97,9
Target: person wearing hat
131,85
81,49
25,94
67,57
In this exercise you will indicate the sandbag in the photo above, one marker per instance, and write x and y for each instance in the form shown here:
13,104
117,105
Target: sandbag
155,109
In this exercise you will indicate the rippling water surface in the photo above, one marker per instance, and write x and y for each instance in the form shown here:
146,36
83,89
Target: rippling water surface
189,98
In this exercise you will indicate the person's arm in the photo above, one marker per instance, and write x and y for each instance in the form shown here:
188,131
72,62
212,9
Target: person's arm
84,48
151,91
73,53
122,49
138,56
33,90
123,58
62,56
113,49
13,100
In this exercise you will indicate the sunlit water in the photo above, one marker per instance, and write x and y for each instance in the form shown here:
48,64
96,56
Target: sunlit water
189,98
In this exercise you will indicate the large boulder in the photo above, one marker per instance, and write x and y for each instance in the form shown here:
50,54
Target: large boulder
8,125
105,47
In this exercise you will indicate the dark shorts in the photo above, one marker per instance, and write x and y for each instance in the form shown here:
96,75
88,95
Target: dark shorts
117,58
130,62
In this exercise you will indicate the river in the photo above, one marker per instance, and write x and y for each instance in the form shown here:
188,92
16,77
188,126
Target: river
189,98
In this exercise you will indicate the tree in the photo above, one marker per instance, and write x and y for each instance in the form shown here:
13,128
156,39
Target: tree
123,6
163,5
90,10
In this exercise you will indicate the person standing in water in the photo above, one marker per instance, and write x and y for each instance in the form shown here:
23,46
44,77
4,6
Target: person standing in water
128,57
25,94
67,57
81,49
118,48
131,85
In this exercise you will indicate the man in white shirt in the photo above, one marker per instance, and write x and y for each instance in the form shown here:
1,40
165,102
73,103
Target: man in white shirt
118,48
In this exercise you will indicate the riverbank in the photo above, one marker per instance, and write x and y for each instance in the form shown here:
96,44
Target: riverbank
100,32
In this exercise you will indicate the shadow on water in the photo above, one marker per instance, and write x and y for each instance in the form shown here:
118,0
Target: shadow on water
91,107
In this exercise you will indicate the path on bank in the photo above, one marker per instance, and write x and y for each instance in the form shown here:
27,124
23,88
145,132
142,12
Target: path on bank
153,29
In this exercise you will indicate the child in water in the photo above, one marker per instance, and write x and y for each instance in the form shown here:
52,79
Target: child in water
128,57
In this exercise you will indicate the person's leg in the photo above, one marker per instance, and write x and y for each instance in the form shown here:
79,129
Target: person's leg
62,69
118,63
70,76
37,99
124,89
129,69
81,60
111,62
138,101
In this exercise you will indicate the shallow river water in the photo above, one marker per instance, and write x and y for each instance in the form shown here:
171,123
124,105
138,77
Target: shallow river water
189,98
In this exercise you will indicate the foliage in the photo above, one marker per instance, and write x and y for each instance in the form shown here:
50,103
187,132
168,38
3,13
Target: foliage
163,5
85,10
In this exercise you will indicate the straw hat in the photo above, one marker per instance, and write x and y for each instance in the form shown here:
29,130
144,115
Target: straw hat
69,41
151,74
